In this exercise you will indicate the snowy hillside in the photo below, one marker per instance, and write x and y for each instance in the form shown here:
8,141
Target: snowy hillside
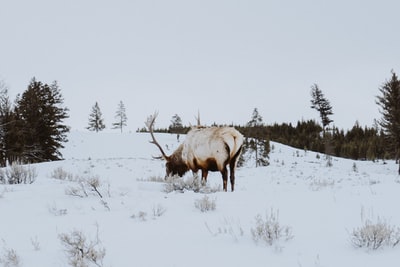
132,221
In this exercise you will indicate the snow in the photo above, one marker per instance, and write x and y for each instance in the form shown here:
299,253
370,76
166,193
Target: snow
320,204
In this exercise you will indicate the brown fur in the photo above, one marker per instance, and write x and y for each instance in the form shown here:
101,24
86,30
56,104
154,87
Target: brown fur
179,165
206,149
175,165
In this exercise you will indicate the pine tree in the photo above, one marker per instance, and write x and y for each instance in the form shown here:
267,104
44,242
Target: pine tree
389,101
120,115
6,120
176,125
96,122
259,141
322,105
256,119
39,116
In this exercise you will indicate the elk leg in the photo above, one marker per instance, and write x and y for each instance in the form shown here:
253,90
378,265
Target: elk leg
204,174
224,173
232,167
232,176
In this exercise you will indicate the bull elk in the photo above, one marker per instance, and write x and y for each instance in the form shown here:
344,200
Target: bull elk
206,149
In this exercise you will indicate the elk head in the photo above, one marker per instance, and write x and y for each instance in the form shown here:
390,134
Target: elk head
174,163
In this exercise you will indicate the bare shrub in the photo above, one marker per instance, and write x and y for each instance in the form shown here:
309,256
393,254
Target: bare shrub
269,230
17,173
355,168
318,184
329,162
78,191
228,227
154,179
35,243
176,183
179,184
105,204
158,210
10,258
205,204
80,251
94,184
373,235
141,216
56,211
60,174
85,187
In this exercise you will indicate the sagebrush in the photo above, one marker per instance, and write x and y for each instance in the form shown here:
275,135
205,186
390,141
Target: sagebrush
17,173
82,252
10,258
85,187
374,235
179,184
60,174
205,204
269,230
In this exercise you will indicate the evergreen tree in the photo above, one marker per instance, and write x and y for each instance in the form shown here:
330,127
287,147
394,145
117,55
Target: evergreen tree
256,119
6,120
322,105
120,115
389,101
39,116
257,139
96,122
176,125
17,134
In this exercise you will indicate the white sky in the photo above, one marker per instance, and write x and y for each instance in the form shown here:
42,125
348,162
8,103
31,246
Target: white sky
222,57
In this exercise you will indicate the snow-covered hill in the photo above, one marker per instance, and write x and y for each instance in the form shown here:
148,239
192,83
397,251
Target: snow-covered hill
138,224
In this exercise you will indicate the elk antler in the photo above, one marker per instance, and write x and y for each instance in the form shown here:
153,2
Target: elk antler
149,124
198,119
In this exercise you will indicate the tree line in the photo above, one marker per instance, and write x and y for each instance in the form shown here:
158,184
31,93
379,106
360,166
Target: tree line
380,141
32,127
359,143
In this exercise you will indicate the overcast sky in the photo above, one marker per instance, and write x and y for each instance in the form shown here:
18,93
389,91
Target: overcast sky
221,57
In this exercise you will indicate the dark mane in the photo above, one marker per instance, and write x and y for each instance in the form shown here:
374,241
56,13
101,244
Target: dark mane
175,165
